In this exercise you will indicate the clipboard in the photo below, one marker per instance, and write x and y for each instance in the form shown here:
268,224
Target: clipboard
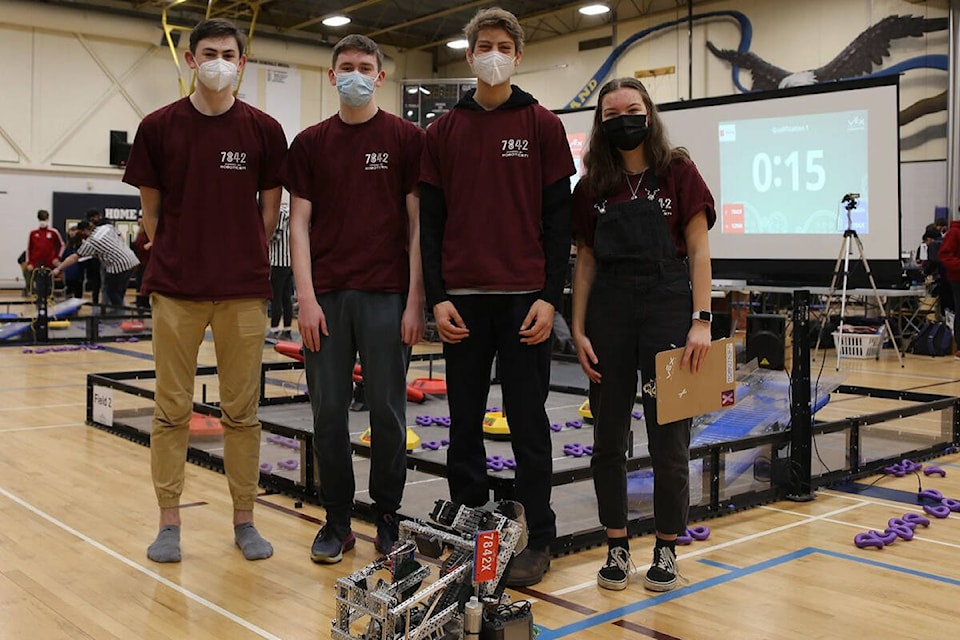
682,394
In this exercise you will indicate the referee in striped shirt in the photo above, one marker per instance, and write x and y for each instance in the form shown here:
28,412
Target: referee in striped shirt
104,242
281,276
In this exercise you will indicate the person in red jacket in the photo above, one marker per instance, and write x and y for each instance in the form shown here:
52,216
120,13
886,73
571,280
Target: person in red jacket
44,245
949,257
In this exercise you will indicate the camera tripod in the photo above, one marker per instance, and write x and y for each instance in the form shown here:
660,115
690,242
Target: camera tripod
843,260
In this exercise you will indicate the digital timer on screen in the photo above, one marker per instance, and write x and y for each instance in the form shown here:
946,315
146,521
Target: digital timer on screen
785,175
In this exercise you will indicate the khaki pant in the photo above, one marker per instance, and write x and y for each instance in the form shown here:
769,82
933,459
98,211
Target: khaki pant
238,331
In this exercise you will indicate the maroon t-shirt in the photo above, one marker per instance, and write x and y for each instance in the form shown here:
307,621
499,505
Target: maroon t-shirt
357,177
681,193
493,167
210,243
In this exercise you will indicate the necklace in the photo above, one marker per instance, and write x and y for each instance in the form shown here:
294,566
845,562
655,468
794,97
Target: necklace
634,190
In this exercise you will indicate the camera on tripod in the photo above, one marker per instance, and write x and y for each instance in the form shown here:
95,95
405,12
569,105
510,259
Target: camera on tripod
850,200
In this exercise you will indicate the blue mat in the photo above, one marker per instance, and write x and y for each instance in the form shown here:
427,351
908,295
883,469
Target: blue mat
13,329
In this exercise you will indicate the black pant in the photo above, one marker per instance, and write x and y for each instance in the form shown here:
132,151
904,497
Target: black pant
955,291
494,322
92,268
629,320
368,323
281,279
115,287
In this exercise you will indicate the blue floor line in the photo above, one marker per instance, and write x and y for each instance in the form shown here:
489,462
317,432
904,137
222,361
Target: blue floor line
617,614
891,567
718,565
883,493
734,574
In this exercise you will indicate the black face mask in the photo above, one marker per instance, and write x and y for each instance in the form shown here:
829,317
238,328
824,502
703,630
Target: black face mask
626,132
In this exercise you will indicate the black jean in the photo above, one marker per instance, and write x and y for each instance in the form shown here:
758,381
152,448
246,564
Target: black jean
281,280
629,320
368,323
115,287
494,322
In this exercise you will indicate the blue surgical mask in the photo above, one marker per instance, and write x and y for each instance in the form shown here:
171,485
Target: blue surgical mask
355,89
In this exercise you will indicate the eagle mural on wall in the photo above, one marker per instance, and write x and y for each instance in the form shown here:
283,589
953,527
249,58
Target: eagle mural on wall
857,59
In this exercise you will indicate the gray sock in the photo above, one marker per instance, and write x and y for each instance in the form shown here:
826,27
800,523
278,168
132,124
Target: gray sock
166,548
250,541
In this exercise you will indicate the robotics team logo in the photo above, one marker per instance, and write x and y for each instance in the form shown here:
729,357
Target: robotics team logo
233,160
377,161
514,148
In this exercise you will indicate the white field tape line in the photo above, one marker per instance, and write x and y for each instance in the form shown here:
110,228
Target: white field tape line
862,528
722,545
133,565
46,426
410,484
23,407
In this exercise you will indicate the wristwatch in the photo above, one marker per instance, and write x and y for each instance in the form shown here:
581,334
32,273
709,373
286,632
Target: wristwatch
703,316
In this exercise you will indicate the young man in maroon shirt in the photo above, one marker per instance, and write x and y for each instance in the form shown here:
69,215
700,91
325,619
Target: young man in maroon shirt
495,237
355,248
207,168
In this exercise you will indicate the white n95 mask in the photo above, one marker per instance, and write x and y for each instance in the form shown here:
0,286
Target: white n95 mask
218,74
493,67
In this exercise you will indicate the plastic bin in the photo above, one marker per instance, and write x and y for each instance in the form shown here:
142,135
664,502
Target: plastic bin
859,345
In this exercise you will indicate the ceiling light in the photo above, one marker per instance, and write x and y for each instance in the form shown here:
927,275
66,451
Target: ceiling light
458,44
336,21
594,9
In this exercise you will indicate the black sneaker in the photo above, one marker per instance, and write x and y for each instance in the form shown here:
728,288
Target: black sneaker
328,547
528,568
615,573
388,533
662,575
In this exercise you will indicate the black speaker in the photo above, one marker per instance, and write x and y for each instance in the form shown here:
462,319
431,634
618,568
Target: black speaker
766,340
119,148
721,327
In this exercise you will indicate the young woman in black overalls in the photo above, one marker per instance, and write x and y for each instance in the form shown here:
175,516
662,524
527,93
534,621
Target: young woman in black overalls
642,285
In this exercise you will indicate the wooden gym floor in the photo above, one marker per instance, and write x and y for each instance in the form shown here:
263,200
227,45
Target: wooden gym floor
77,511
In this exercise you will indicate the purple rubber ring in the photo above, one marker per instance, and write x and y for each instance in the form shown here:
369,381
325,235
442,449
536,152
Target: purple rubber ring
574,424
938,511
636,415
887,537
866,539
510,463
495,458
950,503
431,445
266,467
699,533
576,452
444,443
894,470
553,427
910,466
684,539
289,465
424,421
929,471
588,450
916,519
495,465
443,421
493,409
902,532
900,522
930,494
